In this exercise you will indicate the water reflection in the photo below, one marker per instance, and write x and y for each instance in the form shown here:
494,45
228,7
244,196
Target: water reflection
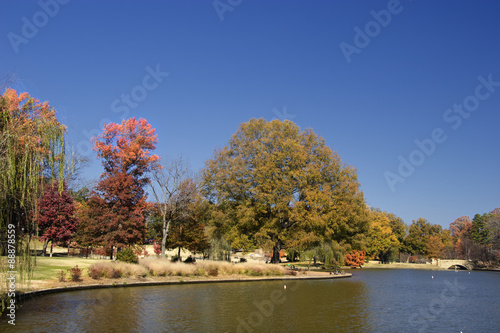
371,301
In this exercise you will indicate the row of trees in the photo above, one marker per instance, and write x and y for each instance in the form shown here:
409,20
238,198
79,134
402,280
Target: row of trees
476,239
272,186
115,214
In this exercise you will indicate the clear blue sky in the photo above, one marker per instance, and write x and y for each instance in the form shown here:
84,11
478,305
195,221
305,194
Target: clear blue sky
247,58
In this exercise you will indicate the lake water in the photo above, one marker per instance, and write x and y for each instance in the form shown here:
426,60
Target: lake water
371,301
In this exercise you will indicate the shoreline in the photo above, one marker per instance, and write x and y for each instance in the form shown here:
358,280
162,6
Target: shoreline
397,265
178,280
429,267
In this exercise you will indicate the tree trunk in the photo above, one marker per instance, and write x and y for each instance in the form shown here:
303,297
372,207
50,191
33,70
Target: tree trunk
44,249
276,252
179,255
166,226
51,246
163,245
111,256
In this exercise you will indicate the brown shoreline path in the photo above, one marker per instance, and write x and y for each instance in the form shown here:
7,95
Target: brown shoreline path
178,281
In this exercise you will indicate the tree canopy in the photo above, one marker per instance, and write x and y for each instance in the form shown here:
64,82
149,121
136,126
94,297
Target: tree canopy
384,243
56,217
31,142
115,216
278,186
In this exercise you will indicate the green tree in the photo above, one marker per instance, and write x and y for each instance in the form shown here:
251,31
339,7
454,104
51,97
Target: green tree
479,232
275,185
419,235
399,228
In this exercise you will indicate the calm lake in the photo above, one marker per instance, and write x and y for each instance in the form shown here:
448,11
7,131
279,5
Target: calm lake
371,301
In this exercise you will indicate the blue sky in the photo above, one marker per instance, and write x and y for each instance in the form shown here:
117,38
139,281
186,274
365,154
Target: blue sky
220,63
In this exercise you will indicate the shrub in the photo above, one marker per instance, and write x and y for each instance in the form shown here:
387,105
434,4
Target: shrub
255,271
199,271
189,260
175,258
157,249
127,255
114,270
95,273
62,276
213,270
138,250
116,273
75,273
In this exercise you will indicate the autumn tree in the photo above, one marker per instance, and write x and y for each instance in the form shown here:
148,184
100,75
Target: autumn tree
187,224
275,184
383,242
429,240
86,233
31,140
179,220
170,204
461,233
398,226
440,245
56,216
355,258
115,216
492,224
418,236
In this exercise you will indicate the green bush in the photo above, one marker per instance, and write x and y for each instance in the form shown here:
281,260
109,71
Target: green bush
127,255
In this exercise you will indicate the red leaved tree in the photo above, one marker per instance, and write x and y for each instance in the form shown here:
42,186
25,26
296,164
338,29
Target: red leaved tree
56,216
115,215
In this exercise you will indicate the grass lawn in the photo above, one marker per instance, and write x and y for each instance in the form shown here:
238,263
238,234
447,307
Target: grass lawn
47,268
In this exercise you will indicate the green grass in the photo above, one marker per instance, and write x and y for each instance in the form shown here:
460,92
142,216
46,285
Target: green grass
47,268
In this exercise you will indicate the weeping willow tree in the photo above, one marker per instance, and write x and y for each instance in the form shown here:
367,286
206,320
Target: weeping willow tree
31,144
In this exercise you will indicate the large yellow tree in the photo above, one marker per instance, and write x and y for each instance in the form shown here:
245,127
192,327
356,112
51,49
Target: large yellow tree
384,243
276,185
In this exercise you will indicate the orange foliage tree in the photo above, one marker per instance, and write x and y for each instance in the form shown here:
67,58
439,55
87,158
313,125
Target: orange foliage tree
31,147
355,258
461,230
115,213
